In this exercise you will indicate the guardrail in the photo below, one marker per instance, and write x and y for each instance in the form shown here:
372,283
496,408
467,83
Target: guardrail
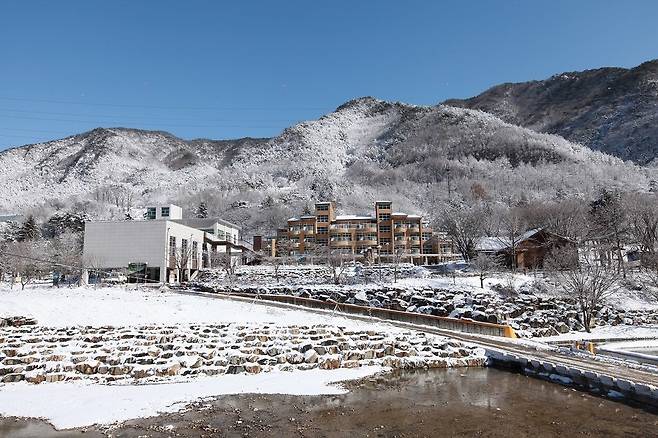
447,323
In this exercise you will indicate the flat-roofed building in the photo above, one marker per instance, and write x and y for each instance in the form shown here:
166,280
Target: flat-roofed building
162,248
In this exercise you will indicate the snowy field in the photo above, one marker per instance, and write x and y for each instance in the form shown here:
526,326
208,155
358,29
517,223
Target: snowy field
76,404
117,306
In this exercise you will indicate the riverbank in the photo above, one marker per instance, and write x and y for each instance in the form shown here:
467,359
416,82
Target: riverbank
460,402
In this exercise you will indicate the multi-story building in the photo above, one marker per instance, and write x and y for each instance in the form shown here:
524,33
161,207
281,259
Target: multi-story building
385,233
164,247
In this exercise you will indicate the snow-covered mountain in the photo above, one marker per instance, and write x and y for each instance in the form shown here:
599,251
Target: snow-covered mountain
364,150
614,110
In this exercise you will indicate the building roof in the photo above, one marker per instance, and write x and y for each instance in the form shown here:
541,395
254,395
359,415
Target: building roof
208,222
499,243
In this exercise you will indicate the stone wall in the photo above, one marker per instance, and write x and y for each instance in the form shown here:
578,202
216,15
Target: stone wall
156,353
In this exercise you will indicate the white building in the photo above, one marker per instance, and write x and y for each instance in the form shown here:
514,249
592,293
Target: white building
163,248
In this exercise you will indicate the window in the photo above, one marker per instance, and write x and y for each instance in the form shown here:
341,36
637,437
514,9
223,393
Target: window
384,217
195,249
221,234
323,242
385,229
164,212
385,240
172,246
322,207
183,252
322,230
150,213
323,219
384,205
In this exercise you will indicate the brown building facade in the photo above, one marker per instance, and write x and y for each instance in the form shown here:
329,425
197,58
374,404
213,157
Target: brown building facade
386,233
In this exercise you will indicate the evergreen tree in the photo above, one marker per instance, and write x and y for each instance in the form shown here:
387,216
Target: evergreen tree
202,210
29,230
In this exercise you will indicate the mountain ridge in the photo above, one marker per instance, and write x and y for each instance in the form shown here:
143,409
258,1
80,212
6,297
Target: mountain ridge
367,148
611,109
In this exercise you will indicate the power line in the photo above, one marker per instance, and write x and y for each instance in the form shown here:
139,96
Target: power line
50,262
139,117
225,108
151,124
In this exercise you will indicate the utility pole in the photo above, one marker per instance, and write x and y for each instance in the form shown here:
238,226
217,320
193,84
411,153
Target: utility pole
448,178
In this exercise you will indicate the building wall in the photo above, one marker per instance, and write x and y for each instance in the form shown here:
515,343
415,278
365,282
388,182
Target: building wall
116,244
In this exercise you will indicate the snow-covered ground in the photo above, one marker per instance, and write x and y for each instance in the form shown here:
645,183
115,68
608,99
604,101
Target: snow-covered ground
118,306
80,403
607,332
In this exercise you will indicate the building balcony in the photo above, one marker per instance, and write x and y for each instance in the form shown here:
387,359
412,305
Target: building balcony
341,243
309,232
372,242
414,229
294,232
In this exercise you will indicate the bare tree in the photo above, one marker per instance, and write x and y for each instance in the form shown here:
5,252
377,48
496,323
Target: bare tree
183,258
368,263
275,263
23,260
643,224
464,224
65,251
610,226
226,260
510,224
589,284
314,250
284,247
336,260
397,258
485,264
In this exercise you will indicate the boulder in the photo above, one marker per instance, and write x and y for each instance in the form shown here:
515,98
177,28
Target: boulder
87,367
330,363
311,356
294,357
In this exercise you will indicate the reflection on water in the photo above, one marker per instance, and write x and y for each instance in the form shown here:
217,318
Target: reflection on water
455,402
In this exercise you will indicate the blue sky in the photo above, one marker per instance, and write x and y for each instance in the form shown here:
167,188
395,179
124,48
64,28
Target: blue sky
231,69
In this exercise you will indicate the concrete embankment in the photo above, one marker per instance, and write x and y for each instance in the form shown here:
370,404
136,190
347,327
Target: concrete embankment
606,384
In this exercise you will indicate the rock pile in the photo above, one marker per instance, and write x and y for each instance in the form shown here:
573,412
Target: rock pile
154,353
16,321
308,274
529,314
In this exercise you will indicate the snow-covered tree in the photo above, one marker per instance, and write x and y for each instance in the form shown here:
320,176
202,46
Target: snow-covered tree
202,210
29,230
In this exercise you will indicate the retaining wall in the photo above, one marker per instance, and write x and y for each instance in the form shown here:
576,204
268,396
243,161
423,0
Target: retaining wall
462,325
596,383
